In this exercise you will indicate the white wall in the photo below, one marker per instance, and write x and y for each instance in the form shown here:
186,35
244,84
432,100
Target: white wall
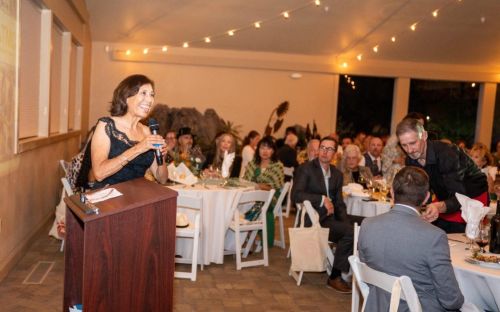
244,96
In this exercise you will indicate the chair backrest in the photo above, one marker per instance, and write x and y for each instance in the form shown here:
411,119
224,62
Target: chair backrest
284,191
288,171
189,202
257,196
313,214
67,187
397,286
355,243
64,165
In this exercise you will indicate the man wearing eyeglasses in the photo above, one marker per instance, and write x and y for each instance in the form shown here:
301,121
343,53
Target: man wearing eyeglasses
321,183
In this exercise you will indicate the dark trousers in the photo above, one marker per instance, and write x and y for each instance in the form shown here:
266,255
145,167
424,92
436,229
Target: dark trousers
342,234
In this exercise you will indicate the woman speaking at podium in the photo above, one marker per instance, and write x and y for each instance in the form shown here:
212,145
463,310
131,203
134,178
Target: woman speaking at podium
122,148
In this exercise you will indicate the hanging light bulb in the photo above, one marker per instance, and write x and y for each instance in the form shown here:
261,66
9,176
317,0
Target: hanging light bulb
413,27
435,13
207,39
185,45
393,38
345,76
230,33
375,49
286,14
257,24
317,2
164,48
344,64
473,84
145,51
128,52
359,57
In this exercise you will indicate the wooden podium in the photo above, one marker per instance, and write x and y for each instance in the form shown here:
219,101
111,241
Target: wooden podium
122,259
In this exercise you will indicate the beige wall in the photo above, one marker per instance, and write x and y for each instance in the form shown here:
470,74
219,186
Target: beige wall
245,96
30,181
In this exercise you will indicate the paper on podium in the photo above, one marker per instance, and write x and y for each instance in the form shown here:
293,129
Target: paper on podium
103,195
181,174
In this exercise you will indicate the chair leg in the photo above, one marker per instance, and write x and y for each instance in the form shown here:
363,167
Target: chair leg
194,259
238,249
264,243
61,249
250,242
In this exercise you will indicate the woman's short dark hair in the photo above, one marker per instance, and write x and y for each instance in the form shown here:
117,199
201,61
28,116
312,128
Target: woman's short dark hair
410,186
269,142
127,88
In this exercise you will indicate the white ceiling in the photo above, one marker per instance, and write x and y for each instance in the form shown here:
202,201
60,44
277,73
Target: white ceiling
465,32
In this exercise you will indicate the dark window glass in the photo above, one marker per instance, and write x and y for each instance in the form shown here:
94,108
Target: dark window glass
365,105
495,138
450,107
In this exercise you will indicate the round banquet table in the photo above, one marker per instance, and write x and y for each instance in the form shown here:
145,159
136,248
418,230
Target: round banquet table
480,285
217,212
359,207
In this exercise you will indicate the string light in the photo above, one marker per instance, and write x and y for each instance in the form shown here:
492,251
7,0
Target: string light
473,84
435,13
344,64
255,25
413,26
375,49
393,38
359,57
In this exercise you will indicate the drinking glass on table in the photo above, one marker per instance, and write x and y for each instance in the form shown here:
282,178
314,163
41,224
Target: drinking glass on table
483,236
384,190
471,231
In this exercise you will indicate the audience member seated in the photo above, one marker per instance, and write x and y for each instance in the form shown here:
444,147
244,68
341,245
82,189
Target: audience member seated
351,170
122,148
310,153
186,153
393,159
450,171
496,154
248,151
481,156
346,141
171,140
372,157
224,142
267,172
400,242
358,140
287,154
321,183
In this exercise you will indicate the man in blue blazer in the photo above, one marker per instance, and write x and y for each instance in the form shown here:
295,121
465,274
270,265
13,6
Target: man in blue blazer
400,242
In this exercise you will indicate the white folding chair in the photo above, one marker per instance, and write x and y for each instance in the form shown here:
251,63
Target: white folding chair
314,217
239,225
400,287
68,192
65,166
278,213
355,296
288,171
194,204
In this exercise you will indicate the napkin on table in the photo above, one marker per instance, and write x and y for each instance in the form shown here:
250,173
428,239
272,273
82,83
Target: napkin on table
352,188
473,211
181,174
226,164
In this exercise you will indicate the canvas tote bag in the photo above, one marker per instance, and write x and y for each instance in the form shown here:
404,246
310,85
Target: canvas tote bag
308,246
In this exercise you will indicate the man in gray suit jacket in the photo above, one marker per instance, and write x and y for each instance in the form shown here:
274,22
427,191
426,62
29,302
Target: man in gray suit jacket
400,242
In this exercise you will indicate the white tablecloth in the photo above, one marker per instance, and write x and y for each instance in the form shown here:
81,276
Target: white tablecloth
216,217
479,285
358,207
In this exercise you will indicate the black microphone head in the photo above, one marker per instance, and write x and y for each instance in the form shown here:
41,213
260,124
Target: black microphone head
153,124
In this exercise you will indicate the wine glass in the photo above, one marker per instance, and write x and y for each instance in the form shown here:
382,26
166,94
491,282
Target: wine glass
482,238
362,180
471,231
384,190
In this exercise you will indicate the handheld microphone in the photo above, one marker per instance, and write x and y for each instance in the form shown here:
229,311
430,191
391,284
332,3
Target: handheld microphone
154,127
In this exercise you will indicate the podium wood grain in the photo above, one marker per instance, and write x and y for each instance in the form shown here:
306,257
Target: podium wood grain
123,258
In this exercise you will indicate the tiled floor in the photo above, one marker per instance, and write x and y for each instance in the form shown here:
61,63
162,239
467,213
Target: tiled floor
218,287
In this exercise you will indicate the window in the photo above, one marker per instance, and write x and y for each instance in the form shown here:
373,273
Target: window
50,76
365,104
435,98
